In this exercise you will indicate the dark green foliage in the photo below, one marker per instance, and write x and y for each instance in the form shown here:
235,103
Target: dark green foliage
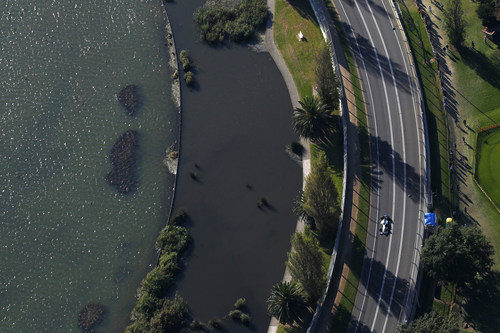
454,22
189,78
313,120
90,316
236,22
185,60
457,254
130,99
179,216
152,312
171,317
161,277
245,319
173,238
306,264
327,82
240,303
235,314
486,11
430,323
286,302
123,158
146,306
320,197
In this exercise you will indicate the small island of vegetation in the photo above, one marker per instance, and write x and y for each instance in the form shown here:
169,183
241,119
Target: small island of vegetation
234,20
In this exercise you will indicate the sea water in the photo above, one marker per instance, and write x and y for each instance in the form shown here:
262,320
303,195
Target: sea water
67,238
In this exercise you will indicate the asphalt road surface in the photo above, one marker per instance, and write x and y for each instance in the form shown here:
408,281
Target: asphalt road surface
386,294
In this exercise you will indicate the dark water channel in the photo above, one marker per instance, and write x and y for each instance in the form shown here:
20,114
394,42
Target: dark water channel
236,124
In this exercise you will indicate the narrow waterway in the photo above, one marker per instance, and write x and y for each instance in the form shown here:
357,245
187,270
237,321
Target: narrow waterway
236,124
68,238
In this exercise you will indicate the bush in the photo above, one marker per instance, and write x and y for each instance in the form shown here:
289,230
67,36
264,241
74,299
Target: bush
189,78
245,319
320,197
327,82
196,325
172,316
486,12
185,60
90,316
235,314
146,306
173,238
236,22
240,303
159,280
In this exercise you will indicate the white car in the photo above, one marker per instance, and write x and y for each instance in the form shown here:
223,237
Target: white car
385,225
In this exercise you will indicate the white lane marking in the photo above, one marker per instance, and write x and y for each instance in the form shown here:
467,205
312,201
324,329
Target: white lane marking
393,157
414,88
378,161
404,184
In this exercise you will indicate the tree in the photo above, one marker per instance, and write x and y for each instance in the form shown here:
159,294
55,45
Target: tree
457,254
305,262
431,322
320,197
286,302
327,82
313,120
486,11
454,22
171,317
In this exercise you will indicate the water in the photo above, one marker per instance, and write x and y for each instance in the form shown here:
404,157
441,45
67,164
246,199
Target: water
236,124
67,238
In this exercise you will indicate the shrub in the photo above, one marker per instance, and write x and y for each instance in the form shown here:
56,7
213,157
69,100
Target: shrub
179,216
236,22
240,303
327,82
159,280
235,314
245,319
185,60
172,316
146,306
486,12
320,197
90,316
173,238
189,78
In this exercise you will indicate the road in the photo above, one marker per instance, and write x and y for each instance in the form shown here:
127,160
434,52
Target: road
398,164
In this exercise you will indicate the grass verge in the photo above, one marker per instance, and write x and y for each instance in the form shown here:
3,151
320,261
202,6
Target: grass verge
290,17
437,125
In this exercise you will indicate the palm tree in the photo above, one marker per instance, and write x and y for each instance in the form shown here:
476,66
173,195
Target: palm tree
313,119
286,302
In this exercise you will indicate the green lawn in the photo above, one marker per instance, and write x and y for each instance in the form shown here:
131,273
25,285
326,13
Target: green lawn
433,99
290,18
477,72
488,163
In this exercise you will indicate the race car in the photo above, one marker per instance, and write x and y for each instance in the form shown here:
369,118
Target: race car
385,225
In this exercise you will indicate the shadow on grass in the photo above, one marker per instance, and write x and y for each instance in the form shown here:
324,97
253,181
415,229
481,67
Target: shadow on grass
486,68
304,9
481,303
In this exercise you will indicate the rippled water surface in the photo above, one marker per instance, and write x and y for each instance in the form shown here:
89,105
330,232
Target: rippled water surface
67,238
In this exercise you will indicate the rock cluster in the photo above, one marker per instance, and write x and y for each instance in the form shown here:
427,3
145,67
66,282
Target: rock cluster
90,316
130,99
123,157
